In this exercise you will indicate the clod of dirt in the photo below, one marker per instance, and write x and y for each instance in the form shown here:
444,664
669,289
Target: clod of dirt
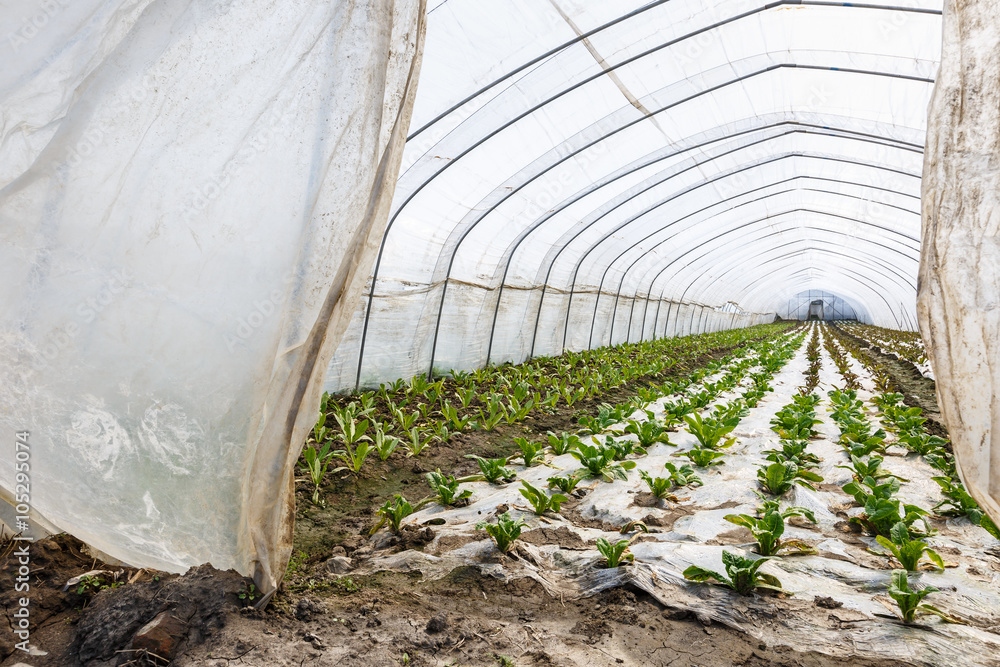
201,597
307,609
437,624
413,537
592,630
561,536
827,602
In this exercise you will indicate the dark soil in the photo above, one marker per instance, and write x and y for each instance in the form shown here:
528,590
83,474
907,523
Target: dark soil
918,391
350,501
383,619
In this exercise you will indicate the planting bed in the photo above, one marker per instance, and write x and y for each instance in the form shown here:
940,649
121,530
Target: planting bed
701,451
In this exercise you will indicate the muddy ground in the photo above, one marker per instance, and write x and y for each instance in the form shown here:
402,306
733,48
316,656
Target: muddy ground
383,619
325,616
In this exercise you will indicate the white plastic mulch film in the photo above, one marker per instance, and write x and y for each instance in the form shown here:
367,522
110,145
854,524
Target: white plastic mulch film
191,197
959,313
580,173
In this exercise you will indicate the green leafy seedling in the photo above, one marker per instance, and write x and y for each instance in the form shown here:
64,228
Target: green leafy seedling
743,575
315,463
648,432
599,462
395,510
908,551
658,486
445,488
530,451
504,532
778,478
614,553
683,475
540,501
711,432
910,602
564,483
562,443
767,530
494,471
704,458
418,442
384,443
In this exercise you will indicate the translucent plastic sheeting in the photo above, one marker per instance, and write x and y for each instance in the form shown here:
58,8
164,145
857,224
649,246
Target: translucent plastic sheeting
580,171
960,286
695,532
191,198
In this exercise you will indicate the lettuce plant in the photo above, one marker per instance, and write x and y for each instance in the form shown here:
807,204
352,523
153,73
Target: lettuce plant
530,451
767,530
683,475
704,458
562,443
743,575
445,488
315,463
394,511
614,553
910,602
494,471
384,443
504,532
906,550
540,501
648,432
599,461
778,478
564,483
417,443
659,486
711,432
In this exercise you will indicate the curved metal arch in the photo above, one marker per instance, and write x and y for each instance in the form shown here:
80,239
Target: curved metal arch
468,230
767,278
770,216
653,5
872,262
469,149
512,248
852,257
544,283
702,245
688,190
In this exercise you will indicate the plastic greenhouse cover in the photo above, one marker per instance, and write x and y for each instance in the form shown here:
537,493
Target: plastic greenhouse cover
191,196
959,281
584,173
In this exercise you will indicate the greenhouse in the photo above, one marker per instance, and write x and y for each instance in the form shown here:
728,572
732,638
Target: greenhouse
499,332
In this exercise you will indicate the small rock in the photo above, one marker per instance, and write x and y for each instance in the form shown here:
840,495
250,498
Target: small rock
161,636
437,624
339,565
827,602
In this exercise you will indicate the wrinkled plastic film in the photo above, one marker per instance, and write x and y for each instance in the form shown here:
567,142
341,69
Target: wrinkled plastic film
188,215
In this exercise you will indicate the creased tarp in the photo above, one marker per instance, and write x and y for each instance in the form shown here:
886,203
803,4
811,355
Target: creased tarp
959,296
191,196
